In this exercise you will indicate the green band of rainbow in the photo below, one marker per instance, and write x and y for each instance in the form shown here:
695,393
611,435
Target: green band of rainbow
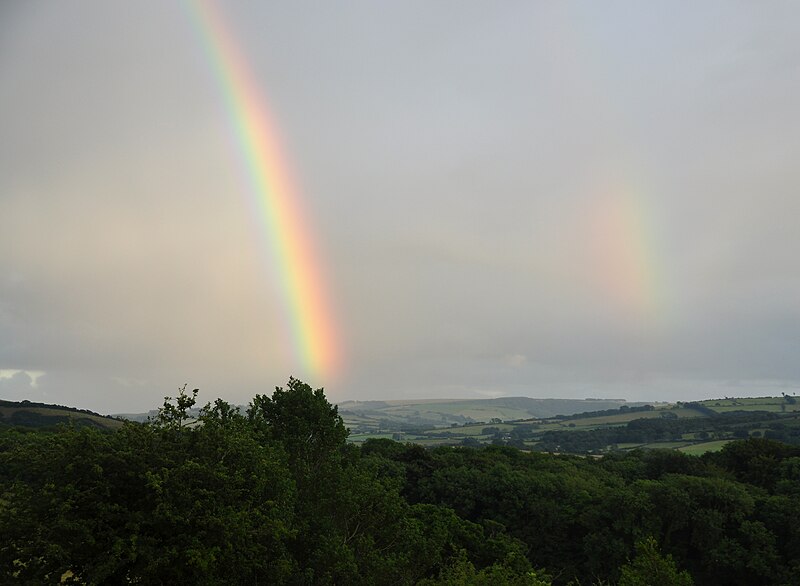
278,206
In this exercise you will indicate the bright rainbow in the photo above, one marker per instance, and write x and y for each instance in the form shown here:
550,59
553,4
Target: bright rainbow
289,238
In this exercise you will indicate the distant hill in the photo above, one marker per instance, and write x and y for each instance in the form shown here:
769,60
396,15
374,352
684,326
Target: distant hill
578,427
30,414
194,413
445,412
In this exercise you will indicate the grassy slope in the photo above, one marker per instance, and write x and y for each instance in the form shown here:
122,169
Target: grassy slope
374,415
702,448
38,415
771,404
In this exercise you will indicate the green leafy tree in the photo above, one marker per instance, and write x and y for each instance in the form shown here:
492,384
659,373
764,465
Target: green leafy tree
174,416
157,503
650,568
303,421
462,572
221,504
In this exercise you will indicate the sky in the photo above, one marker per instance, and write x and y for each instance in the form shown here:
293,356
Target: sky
545,199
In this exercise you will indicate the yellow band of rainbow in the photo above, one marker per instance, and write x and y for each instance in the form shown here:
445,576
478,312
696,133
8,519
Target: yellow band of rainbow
289,237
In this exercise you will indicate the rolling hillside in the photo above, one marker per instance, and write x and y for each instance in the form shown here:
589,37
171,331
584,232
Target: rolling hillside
28,414
693,427
396,415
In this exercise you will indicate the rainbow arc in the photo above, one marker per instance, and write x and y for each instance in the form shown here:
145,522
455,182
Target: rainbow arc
288,235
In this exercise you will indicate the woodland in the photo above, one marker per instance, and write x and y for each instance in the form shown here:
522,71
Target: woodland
274,494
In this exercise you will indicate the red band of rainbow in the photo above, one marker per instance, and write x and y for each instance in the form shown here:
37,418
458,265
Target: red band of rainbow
278,206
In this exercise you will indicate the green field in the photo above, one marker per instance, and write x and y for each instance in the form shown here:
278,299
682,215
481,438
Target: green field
770,404
623,418
702,448
363,416
362,437
693,428
473,430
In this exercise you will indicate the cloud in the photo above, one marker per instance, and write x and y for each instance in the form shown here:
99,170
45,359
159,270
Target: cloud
19,385
515,360
451,179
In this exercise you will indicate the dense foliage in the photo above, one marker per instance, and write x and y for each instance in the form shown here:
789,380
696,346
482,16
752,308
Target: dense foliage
275,495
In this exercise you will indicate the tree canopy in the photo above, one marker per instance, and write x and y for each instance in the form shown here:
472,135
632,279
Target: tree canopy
274,494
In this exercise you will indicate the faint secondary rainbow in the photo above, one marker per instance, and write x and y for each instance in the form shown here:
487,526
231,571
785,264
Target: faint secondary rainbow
625,250
629,269
280,217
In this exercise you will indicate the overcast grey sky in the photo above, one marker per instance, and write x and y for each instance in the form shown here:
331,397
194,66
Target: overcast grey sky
508,198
